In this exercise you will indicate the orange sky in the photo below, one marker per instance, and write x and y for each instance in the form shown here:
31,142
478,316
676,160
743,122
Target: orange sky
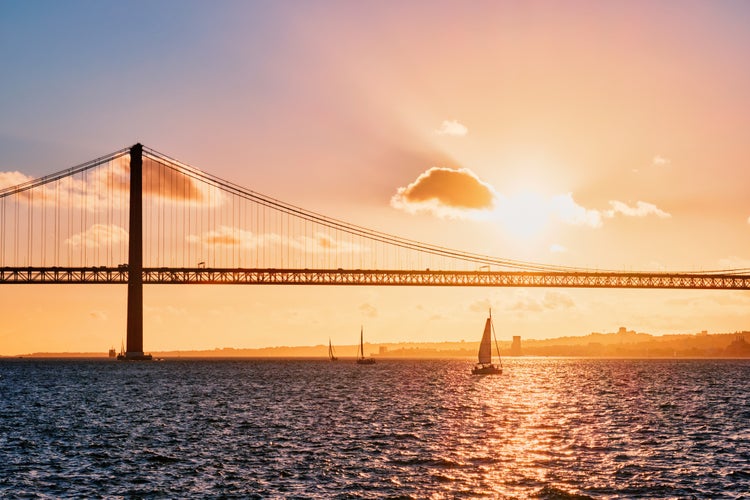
603,135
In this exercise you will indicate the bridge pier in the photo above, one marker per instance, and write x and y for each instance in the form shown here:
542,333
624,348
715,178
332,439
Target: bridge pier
134,339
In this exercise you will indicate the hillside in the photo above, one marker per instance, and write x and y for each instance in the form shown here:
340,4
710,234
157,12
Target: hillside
620,344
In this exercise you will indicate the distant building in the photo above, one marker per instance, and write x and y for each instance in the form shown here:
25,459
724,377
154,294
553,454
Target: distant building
515,347
739,347
382,350
703,333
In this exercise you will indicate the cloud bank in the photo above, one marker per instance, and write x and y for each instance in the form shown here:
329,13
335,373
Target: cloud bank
460,193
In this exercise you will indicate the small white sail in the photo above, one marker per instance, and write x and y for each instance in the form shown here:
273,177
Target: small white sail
485,347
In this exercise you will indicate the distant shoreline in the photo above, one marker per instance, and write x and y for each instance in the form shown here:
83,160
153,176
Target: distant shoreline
623,344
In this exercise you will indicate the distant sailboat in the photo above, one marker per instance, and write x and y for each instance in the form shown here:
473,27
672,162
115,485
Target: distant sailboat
331,354
361,359
121,356
485,366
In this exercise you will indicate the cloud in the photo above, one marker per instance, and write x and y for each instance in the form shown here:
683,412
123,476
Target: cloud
551,300
526,304
459,193
323,243
445,192
557,300
103,187
8,179
567,210
100,315
164,182
98,235
315,244
452,127
641,209
368,310
227,236
660,161
557,248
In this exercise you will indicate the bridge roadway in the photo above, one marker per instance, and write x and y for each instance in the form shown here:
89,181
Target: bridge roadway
222,276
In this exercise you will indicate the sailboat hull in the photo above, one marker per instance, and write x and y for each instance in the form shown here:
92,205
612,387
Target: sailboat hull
486,370
365,361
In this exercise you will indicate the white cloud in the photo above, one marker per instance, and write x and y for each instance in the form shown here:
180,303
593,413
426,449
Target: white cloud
452,127
567,210
98,235
8,179
557,248
641,209
659,160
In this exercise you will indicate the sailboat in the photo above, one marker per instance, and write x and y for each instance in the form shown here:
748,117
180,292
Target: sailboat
361,359
121,356
485,366
331,354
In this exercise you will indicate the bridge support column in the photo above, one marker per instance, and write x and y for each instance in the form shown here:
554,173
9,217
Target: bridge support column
134,345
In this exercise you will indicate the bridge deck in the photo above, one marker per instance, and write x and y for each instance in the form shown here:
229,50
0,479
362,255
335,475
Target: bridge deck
219,276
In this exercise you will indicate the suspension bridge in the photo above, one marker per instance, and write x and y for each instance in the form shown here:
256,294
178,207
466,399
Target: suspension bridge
137,217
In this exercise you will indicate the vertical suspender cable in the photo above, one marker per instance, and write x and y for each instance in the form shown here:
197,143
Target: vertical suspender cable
30,233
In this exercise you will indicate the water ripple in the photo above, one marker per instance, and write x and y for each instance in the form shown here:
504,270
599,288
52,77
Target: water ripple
547,428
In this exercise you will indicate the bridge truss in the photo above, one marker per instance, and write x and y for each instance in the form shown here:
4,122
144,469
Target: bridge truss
341,277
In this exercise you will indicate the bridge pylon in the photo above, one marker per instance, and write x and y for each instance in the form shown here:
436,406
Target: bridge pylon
134,339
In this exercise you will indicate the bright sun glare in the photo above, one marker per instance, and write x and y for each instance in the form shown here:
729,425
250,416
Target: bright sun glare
524,214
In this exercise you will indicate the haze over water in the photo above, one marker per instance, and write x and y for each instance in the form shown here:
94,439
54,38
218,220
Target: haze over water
412,429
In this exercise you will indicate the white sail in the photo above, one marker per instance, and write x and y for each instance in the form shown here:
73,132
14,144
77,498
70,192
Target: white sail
485,347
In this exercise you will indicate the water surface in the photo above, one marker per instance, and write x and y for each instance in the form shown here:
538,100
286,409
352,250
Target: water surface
552,428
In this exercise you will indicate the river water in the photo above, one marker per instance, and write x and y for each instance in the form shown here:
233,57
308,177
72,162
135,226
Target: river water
547,428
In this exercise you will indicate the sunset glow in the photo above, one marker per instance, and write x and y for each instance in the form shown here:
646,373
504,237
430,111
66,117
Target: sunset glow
603,135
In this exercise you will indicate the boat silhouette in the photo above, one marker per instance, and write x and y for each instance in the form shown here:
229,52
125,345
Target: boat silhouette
485,366
331,353
361,359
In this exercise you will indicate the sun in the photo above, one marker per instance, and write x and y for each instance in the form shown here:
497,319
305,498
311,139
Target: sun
524,214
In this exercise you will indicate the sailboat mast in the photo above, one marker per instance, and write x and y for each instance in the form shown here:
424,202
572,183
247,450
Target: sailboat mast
361,340
494,335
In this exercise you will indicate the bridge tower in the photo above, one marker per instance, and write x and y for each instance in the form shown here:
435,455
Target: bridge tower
134,345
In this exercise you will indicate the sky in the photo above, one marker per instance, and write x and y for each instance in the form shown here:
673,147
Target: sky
595,134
